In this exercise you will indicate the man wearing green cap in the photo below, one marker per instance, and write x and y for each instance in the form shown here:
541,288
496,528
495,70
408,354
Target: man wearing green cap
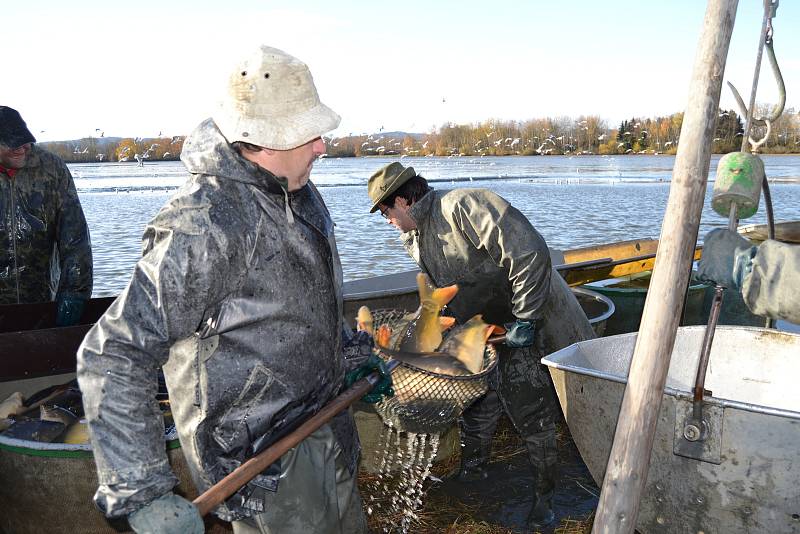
45,251
474,238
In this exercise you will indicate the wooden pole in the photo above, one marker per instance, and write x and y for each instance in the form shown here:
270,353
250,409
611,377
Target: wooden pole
628,463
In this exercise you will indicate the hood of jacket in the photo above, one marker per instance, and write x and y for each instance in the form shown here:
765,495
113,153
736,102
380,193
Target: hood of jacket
206,151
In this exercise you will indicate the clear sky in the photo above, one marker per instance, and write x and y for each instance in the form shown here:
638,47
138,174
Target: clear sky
143,67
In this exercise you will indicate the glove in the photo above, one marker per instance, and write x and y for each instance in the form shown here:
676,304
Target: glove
69,310
357,346
727,258
384,386
169,514
520,333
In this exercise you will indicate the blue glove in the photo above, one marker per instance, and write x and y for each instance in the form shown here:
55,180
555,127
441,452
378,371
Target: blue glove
384,386
69,310
520,333
727,258
169,514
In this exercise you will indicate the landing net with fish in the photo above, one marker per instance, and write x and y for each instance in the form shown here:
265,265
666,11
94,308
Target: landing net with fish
427,402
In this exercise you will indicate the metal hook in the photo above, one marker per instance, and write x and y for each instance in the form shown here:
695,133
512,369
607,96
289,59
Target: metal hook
755,145
776,112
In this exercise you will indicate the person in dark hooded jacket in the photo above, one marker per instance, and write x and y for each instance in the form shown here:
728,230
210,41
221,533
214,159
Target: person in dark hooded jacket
238,297
45,251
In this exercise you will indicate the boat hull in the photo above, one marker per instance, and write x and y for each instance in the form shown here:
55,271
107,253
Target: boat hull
50,490
744,476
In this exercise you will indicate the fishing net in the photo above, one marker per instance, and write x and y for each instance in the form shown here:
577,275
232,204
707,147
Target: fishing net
425,402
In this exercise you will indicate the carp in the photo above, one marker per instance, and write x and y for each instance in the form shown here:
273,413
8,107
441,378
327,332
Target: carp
423,333
435,362
467,343
364,320
12,405
57,414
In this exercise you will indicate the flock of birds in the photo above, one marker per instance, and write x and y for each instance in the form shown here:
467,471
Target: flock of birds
125,152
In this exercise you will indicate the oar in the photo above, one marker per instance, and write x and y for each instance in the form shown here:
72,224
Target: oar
243,474
584,264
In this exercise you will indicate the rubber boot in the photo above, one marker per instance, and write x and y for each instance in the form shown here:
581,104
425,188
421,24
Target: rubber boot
478,424
541,515
474,458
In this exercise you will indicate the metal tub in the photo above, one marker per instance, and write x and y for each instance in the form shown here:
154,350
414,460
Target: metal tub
745,477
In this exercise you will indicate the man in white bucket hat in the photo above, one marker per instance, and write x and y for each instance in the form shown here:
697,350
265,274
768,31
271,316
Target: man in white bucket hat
238,298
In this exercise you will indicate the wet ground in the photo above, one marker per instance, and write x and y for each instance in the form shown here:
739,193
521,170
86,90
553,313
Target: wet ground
505,498
500,504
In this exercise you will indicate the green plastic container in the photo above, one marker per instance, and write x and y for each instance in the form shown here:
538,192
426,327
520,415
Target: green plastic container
628,294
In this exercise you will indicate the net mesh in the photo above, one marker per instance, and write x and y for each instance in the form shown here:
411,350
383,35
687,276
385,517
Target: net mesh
424,401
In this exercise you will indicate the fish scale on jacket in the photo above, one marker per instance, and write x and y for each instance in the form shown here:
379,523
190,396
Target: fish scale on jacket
245,360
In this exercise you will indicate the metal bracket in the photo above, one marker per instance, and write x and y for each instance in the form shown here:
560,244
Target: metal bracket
706,445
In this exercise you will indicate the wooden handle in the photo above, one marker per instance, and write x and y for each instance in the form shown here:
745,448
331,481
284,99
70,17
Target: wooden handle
496,340
243,474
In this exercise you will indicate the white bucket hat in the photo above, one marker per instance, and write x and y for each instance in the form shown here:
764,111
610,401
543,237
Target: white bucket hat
272,102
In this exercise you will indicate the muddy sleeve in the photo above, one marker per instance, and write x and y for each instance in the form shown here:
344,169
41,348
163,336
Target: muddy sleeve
772,288
74,245
506,235
178,275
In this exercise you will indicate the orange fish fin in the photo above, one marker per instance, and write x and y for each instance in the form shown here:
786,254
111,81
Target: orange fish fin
383,335
447,322
497,330
443,295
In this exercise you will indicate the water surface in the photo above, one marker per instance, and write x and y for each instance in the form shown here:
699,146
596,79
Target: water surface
572,201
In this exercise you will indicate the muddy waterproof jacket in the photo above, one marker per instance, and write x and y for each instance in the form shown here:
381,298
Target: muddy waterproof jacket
476,239
238,297
45,250
772,289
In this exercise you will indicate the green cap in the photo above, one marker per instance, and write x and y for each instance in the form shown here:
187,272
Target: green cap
386,181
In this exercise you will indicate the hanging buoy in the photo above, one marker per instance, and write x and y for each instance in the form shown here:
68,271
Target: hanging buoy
739,179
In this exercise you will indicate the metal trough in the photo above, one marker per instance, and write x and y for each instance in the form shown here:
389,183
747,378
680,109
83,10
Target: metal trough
745,476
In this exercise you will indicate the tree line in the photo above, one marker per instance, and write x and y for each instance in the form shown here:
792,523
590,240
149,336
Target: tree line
122,149
534,137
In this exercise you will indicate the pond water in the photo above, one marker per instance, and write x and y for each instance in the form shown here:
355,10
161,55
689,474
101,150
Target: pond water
572,201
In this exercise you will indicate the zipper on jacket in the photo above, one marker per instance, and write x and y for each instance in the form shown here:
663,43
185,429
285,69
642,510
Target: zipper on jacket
14,234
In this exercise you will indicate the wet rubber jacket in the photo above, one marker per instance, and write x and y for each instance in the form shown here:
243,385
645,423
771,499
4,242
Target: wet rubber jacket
45,250
475,238
772,289
238,297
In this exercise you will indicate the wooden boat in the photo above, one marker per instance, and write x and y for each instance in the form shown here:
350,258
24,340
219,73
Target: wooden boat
743,476
628,293
36,354
612,260
788,232
628,280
